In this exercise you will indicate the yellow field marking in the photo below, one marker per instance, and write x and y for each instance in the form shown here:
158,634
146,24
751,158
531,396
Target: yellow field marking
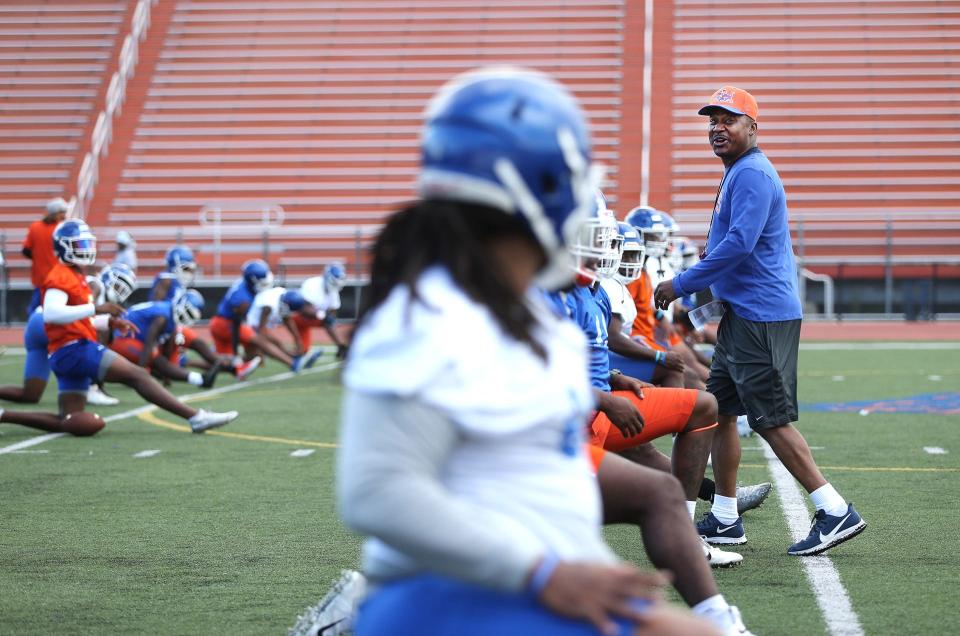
150,418
874,469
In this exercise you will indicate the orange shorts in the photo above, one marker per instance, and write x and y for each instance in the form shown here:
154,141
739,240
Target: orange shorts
189,335
596,455
665,411
222,331
304,324
131,348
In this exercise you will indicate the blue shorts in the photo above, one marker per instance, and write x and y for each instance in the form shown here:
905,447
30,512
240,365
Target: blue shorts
34,301
35,342
430,604
639,369
78,363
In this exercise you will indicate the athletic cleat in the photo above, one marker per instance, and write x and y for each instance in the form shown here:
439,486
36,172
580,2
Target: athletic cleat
335,613
717,533
248,367
210,376
729,621
205,420
312,359
298,363
750,497
98,398
827,531
719,558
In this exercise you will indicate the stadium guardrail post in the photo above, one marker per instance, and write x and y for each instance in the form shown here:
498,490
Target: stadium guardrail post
888,270
4,280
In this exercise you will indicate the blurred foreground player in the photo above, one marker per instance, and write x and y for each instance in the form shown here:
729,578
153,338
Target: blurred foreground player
483,514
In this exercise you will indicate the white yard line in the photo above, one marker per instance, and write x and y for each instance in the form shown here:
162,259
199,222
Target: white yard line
824,579
33,441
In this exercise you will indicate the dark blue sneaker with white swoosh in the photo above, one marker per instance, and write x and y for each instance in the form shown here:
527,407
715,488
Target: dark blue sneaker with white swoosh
827,531
717,533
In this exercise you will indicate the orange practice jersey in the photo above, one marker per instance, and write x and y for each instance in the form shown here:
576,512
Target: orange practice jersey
643,325
40,243
74,284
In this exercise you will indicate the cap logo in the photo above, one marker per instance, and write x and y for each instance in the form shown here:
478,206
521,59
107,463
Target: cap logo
723,96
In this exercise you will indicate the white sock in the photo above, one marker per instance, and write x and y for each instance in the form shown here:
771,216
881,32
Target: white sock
713,605
692,508
725,509
826,498
1,414
194,378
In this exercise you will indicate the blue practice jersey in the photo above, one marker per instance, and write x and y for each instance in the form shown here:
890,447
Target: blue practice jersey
172,291
237,295
591,310
143,315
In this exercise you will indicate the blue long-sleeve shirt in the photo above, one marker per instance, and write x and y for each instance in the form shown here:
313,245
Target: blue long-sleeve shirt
749,262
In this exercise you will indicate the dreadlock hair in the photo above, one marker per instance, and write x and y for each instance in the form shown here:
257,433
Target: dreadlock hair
454,235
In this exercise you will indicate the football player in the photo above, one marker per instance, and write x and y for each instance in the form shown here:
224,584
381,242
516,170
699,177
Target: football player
180,274
229,327
323,292
153,345
279,306
70,320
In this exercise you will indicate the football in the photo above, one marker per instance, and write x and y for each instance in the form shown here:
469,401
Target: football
83,424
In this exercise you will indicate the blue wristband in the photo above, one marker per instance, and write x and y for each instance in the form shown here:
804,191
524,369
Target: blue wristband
541,575
661,357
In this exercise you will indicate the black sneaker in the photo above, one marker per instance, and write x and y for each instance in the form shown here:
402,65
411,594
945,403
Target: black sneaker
210,376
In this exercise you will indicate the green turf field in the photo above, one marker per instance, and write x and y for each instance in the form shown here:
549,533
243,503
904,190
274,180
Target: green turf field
229,533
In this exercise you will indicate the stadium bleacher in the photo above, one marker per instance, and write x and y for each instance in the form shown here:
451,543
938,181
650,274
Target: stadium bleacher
858,111
55,63
313,109
288,130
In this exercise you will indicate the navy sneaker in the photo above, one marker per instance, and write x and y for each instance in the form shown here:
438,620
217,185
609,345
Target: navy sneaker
718,533
827,531
312,359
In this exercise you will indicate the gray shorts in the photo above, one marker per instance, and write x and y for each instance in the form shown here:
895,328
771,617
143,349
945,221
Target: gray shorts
754,370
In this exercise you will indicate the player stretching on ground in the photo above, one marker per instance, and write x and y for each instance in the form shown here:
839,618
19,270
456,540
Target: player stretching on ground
71,319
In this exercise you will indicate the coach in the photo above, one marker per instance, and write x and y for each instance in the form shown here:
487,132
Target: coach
749,265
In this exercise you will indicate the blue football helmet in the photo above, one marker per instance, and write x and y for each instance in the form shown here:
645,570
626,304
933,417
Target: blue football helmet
188,307
291,301
182,264
653,227
256,273
334,277
517,141
74,243
118,282
632,255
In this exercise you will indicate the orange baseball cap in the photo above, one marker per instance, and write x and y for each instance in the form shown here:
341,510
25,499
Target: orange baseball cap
733,99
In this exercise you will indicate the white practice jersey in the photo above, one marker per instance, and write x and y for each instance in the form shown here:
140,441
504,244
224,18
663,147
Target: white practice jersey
621,303
270,299
520,418
314,291
660,270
